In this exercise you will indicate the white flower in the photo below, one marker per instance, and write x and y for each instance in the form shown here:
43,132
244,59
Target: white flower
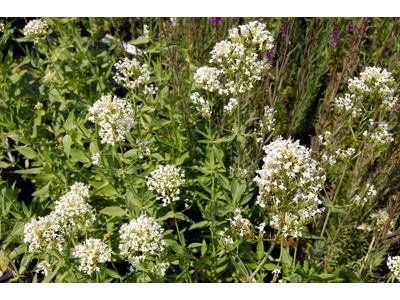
37,29
39,105
343,154
113,117
130,73
209,77
92,252
230,108
240,226
44,267
72,210
96,159
393,262
160,268
141,238
50,77
381,218
166,181
150,89
146,31
204,107
43,233
382,135
276,271
174,22
290,173
268,120
142,149
2,28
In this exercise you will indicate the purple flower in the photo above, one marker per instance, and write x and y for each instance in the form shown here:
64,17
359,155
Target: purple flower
215,20
352,27
268,55
284,31
335,35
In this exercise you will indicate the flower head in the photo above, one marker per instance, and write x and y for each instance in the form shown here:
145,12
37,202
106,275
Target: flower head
92,252
289,183
141,238
130,73
37,29
216,20
43,267
112,114
393,262
166,181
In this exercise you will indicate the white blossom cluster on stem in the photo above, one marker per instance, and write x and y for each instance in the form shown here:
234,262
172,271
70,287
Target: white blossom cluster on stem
113,115
91,253
2,28
366,196
142,149
289,183
344,154
381,219
43,267
71,211
380,136
141,238
50,77
231,106
209,77
393,263
36,29
96,159
174,22
203,105
131,74
146,31
267,122
166,181
240,226
160,268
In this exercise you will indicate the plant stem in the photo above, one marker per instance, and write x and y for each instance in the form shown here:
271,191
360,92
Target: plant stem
266,255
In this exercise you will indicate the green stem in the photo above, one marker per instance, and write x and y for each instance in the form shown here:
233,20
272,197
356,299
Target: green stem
266,255
179,235
366,257
326,221
295,254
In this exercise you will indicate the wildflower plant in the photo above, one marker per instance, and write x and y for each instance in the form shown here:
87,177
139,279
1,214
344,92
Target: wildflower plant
281,140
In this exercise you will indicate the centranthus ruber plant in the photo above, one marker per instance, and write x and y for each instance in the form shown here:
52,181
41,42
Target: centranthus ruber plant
180,150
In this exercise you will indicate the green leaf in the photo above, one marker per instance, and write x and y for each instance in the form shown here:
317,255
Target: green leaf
139,41
182,158
216,152
168,215
225,139
67,140
79,155
114,211
184,263
159,123
113,274
201,224
183,217
70,120
27,152
29,171
377,259
237,189
260,250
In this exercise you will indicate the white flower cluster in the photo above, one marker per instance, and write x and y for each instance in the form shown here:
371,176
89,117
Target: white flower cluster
96,159
50,77
146,31
128,47
204,107
2,28
141,238
237,172
232,104
113,117
130,73
368,194
92,252
344,154
393,262
160,269
261,230
289,183
70,212
43,233
325,139
37,29
150,89
238,57
253,34
39,105
381,218
373,83
268,120
225,238
166,181
209,77
331,159
174,22
240,226
381,135
44,267
142,149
